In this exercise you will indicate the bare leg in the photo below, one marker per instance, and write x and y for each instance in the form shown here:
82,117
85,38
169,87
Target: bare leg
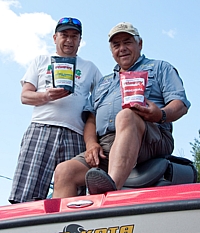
124,152
68,176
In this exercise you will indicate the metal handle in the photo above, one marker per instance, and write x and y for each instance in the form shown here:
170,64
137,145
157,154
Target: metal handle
80,204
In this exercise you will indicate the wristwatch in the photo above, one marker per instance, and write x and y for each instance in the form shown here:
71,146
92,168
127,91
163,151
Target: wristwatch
163,118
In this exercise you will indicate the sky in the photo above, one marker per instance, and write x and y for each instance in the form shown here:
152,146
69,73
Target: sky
169,30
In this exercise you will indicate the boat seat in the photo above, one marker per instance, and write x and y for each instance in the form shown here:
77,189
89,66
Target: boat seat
162,171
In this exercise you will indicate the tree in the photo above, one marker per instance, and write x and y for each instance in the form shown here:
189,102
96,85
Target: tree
196,154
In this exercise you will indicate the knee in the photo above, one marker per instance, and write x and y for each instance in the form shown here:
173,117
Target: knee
125,118
63,172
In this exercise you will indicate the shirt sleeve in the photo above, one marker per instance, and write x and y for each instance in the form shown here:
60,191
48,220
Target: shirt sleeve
88,108
31,74
172,85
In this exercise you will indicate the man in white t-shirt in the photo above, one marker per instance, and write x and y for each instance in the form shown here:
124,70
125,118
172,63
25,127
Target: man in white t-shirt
56,130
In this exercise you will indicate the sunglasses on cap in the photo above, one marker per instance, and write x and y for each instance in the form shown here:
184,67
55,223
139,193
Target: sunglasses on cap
66,23
69,20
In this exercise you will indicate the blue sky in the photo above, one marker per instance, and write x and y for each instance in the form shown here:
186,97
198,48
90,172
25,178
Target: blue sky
169,30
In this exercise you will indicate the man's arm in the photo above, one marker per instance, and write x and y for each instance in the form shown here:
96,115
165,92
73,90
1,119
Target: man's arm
31,97
174,110
93,149
90,136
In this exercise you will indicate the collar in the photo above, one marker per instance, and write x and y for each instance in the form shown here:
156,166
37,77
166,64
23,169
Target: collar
56,54
117,67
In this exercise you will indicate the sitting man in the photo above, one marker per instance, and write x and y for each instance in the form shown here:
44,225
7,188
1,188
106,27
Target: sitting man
117,139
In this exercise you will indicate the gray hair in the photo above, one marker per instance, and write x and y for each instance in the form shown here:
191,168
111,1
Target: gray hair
137,39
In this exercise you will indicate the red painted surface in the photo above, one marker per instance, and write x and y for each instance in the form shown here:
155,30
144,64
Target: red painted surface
110,199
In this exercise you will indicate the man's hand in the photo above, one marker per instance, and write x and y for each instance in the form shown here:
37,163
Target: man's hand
150,113
31,97
56,93
174,110
93,153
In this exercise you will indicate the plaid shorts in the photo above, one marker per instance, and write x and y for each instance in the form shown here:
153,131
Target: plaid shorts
42,148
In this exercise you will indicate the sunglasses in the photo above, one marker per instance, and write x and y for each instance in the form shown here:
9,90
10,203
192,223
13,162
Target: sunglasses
70,21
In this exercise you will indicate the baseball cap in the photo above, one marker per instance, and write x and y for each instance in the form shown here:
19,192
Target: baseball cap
68,23
123,27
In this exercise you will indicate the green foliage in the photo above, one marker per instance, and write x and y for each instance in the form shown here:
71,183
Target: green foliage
196,154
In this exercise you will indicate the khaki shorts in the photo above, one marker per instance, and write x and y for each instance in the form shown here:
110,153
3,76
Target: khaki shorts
156,142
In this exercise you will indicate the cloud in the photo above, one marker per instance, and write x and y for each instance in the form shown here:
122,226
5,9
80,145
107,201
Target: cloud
171,33
24,36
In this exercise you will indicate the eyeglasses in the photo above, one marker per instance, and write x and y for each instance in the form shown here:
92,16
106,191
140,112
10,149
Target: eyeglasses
69,20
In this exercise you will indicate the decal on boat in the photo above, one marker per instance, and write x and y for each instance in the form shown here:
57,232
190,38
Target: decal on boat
74,228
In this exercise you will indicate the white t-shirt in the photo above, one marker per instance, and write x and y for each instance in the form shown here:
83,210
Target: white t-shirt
66,111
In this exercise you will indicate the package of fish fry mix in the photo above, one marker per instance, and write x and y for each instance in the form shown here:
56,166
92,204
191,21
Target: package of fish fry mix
132,85
63,72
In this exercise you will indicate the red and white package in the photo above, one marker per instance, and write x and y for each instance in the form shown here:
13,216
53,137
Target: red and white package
133,85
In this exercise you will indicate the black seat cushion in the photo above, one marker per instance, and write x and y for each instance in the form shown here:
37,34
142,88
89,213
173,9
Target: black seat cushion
147,173
166,170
